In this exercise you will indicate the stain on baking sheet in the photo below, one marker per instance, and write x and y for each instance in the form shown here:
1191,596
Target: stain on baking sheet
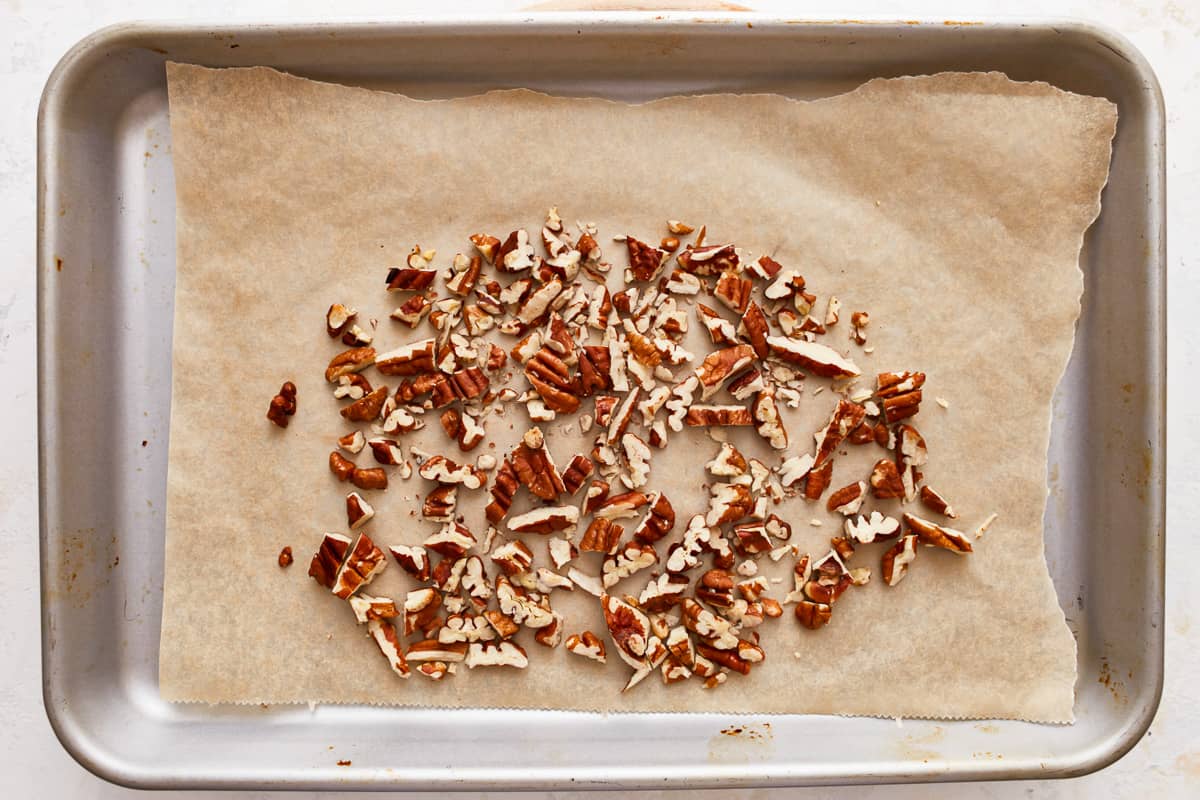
1112,681
742,743
77,578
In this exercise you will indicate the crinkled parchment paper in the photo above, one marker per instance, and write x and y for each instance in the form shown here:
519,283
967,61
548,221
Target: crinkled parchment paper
951,207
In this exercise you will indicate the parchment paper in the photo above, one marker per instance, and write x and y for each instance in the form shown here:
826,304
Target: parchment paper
951,207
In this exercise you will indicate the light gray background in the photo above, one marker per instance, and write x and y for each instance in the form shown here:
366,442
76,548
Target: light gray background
33,36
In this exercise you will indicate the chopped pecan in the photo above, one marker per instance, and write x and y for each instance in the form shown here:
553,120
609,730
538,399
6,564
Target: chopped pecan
751,538
434,650
410,359
440,503
885,480
658,523
602,536
353,360
815,357
628,559
897,558
466,273
721,365
595,496
734,291
486,245
513,557
894,384
443,470
385,638
629,629
644,260
662,592
716,588
720,330
621,506
327,561
818,480
586,644
367,408
863,434
412,559
901,406
412,311
516,254
769,422
367,608
340,466
337,318
845,418
363,562
936,503
848,499
576,473
535,468
504,487
718,416
934,535
386,451
374,478
708,261
421,607
548,519
753,328
498,654
283,405
728,502
358,511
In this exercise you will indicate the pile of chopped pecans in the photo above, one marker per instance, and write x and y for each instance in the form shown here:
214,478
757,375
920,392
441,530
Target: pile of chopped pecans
617,362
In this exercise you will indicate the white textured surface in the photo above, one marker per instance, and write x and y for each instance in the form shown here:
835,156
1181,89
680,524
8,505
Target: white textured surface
1166,763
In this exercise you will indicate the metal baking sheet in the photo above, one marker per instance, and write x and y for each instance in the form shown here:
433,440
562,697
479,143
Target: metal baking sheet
106,281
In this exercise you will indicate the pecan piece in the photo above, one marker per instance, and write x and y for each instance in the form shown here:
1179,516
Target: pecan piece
718,416
769,422
848,499
340,466
410,359
708,261
362,564
367,408
602,536
577,472
504,487
535,468
545,520
934,535
385,638
440,503
348,362
815,357
753,328
586,644
897,558
734,291
412,559
644,260
374,478
885,480
721,365
283,405
327,561
936,503
658,523
358,511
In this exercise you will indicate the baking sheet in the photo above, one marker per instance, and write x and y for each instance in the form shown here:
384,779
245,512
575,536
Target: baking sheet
931,202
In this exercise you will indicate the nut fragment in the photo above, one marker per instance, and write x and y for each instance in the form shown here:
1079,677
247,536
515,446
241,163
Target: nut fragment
644,261
815,357
358,511
885,480
412,559
285,557
452,541
496,654
374,478
283,405
414,358
896,560
586,644
385,638
363,562
367,408
728,502
353,360
337,318
936,503
549,519
734,291
768,421
367,608
871,528
512,557
625,561
718,416
340,466
934,535
534,467
848,499
601,536
328,559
